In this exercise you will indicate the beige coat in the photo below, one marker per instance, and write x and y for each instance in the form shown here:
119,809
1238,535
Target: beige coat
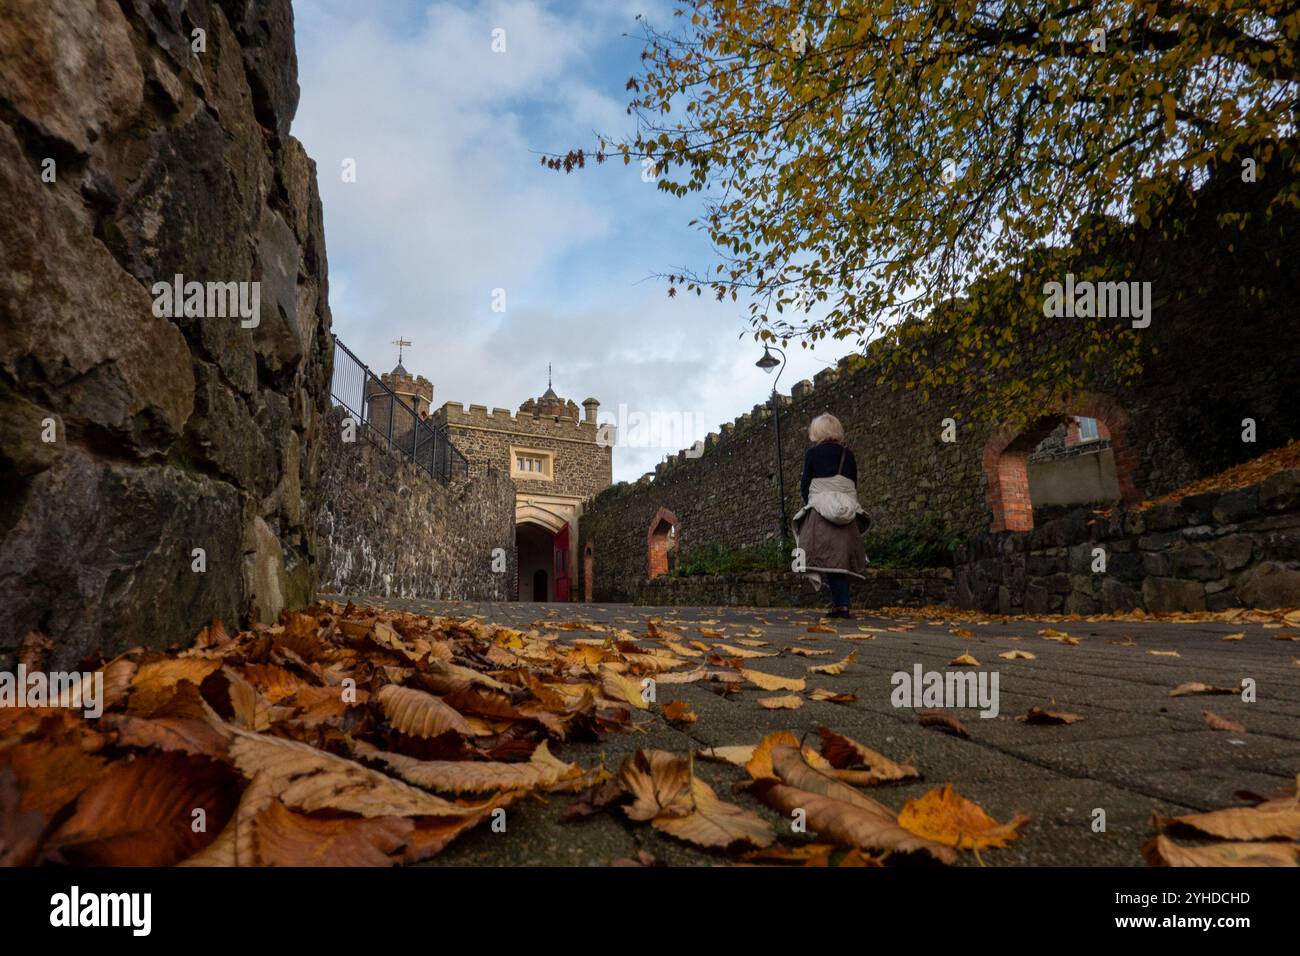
829,528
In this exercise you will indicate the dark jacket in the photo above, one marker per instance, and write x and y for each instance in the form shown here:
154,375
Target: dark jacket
823,461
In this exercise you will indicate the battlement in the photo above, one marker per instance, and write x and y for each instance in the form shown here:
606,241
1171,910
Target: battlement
478,416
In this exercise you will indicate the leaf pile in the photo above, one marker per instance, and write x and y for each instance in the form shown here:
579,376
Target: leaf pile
339,736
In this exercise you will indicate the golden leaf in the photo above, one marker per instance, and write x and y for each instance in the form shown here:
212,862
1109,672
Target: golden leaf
943,815
772,681
838,667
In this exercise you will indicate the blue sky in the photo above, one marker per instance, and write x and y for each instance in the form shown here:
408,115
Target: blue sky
450,203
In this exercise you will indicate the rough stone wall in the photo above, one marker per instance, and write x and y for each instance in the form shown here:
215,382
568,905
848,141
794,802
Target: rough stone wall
1210,551
387,528
169,434
882,588
582,467
1219,354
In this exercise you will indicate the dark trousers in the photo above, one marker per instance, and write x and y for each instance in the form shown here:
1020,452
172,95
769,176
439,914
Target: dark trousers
839,585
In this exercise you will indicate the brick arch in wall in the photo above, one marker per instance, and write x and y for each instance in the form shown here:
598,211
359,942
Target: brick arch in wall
659,542
1006,458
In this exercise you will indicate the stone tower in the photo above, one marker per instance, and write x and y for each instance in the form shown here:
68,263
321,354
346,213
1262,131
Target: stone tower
557,461
415,391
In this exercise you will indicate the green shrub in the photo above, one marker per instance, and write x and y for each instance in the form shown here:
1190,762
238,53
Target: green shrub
729,559
926,544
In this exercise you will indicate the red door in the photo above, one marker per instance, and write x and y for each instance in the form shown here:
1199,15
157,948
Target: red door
562,564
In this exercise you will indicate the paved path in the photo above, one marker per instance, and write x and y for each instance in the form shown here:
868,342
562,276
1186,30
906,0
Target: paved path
1137,750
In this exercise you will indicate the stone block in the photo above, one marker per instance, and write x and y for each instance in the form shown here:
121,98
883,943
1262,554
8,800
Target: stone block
1270,584
1172,594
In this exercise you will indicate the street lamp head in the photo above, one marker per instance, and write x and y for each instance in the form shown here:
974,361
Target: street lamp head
768,361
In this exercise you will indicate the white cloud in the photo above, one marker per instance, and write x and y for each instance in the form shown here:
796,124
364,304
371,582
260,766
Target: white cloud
450,203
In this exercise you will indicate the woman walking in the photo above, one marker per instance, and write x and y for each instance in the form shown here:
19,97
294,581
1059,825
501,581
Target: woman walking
830,525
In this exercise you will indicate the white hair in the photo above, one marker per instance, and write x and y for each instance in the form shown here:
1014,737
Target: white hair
825,426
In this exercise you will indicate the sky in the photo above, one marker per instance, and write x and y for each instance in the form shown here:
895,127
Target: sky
450,205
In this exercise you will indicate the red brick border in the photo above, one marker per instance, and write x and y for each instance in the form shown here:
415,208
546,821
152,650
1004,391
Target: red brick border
656,546
1006,458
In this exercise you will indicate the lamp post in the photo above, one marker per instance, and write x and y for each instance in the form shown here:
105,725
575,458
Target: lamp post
767,363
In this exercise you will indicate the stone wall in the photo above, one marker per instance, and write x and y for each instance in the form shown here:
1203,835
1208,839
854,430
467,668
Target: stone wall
387,528
882,588
1223,346
128,440
1210,551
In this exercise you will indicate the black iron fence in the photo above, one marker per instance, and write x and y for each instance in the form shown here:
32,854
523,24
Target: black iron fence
389,420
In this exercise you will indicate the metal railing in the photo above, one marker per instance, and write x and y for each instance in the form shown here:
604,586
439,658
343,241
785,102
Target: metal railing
389,420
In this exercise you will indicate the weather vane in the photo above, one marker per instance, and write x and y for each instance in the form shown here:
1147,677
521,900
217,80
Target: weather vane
401,343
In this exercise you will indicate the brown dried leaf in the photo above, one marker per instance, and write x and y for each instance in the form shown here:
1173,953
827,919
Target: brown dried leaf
141,812
1163,851
1037,715
1215,722
943,721
417,714
839,667
846,754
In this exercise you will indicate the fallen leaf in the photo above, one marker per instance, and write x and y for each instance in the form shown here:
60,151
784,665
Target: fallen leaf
658,782
772,681
838,812
759,764
280,837
788,702
1268,821
963,660
1037,715
834,697
945,816
1162,851
943,721
1018,656
1215,722
308,779
839,667
679,712
743,652
1196,687
542,771
624,689
141,812
866,766
713,822
418,714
